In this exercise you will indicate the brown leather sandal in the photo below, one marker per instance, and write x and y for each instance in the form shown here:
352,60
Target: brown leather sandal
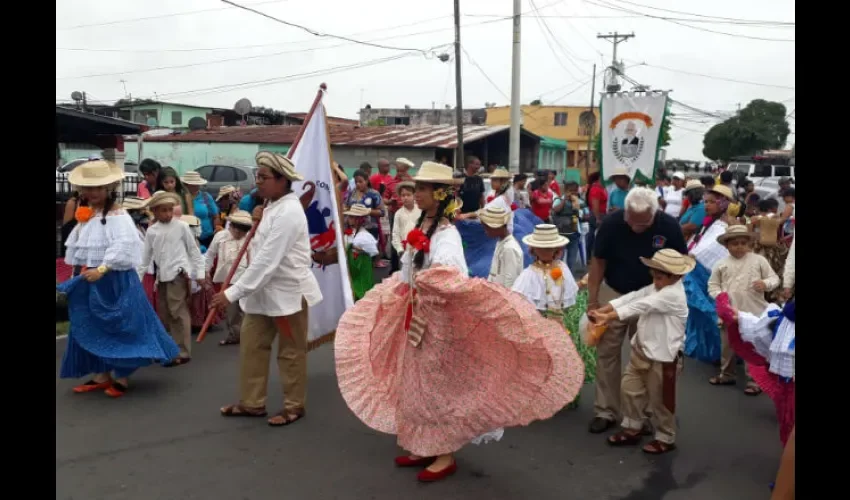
287,417
238,410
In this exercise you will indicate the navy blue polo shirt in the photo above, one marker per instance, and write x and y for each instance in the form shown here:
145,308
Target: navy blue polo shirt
621,248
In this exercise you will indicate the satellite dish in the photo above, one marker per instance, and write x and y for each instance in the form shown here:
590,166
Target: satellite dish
77,96
242,107
151,121
197,123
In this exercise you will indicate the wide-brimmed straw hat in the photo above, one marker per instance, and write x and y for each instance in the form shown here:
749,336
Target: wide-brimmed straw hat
193,178
693,184
163,198
224,191
723,191
545,236
279,163
501,173
735,231
95,174
241,217
436,173
405,184
404,161
670,261
494,216
620,171
191,220
358,210
134,203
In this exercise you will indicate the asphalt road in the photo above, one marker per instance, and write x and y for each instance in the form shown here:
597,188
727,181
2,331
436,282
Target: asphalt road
165,440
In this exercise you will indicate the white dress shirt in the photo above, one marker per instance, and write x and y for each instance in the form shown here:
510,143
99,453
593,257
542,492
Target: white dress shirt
789,276
507,262
736,278
537,285
226,248
174,249
662,315
279,274
673,199
404,222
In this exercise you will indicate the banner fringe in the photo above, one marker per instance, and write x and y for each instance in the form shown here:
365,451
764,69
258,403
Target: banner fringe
324,339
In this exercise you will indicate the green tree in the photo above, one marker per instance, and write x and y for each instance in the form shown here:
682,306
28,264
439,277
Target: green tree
665,131
760,125
536,102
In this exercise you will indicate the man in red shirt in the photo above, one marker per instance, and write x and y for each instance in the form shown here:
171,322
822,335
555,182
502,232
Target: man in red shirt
597,203
541,200
382,177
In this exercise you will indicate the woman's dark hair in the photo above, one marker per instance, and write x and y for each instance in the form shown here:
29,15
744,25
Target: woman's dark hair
569,184
170,172
789,192
594,177
365,166
707,181
362,174
419,258
520,177
695,195
111,197
241,227
149,166
768,204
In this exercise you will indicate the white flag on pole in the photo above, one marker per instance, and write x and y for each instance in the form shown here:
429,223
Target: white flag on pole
312,159
631,128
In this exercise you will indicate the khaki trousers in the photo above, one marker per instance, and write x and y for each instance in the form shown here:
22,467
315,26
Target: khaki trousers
233,317
650,387
609,360
258,334
173,309
728,360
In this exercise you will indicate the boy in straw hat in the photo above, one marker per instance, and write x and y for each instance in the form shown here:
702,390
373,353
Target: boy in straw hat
275,291
404,219
507,258
360,248
649,381
745,276
223,251
548,282
173,249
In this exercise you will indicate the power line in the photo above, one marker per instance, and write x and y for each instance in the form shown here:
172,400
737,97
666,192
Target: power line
754,21
570,55
650,16
319,34
161,16
713,77
546,33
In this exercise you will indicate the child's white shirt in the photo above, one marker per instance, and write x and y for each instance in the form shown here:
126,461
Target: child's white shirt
173,248
662,315
532,284
226,249
363,241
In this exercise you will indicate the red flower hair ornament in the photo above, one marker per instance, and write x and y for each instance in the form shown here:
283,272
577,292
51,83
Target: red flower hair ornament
417,239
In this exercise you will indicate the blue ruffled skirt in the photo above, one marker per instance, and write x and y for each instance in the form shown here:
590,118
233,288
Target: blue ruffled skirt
113,327
479,248
702,335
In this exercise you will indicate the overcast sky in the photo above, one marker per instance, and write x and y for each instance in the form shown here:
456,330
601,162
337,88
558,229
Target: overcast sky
208,53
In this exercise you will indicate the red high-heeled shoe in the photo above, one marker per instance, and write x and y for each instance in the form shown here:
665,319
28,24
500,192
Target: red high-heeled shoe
427,476
406,461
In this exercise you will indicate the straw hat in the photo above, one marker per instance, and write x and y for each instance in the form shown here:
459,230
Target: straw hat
435,173
224,191
693,184
545,236
670,261
501,173
279,164
405,184
134,203
494,216
163,198
193,178
735,231
95,174
191,220
358,210
404,161
620,171
241,217
723,191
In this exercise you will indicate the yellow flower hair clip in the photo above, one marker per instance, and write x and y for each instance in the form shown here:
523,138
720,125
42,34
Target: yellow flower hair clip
440,194
453,207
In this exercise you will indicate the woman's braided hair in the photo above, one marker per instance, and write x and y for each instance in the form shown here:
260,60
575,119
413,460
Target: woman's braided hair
111,198
419,258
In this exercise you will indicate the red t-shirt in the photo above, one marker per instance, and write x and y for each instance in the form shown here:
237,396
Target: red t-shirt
386,179
597,192
541,203
553,186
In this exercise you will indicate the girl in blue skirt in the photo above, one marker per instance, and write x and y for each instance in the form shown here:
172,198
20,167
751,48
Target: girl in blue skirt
114,330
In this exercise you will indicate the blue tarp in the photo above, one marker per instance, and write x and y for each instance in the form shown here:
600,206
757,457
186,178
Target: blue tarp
479,248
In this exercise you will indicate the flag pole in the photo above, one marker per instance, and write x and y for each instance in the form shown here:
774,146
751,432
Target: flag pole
211,314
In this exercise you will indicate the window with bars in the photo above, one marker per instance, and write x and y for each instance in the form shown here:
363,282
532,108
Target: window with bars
560,119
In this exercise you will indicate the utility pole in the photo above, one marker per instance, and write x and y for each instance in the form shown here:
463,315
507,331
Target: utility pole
84,103
593,125
516,106
616,39
459,157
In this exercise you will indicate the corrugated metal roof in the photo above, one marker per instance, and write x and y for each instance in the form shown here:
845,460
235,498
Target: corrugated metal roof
421,136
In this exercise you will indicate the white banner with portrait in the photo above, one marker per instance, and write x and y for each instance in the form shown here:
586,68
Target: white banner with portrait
631,129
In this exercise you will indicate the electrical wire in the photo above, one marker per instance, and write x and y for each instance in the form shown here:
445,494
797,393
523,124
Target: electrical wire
546,34
713,77
754,21
569,54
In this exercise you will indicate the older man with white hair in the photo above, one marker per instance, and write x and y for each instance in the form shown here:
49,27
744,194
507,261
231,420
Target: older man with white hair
623,238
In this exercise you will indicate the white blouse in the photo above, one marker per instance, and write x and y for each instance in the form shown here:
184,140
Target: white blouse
673,200
226,249
115,244
532,284
363,241
446,250
708,251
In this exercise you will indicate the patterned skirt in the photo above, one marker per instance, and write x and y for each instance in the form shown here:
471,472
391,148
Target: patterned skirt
775,255
487,360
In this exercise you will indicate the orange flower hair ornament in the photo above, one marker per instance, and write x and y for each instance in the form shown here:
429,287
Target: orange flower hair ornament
83,214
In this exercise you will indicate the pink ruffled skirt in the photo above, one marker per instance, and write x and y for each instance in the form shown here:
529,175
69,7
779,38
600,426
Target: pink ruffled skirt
487,360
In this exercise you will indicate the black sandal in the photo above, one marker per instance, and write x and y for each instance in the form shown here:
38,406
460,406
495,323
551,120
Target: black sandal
177,362
289,417
721,381
228,342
